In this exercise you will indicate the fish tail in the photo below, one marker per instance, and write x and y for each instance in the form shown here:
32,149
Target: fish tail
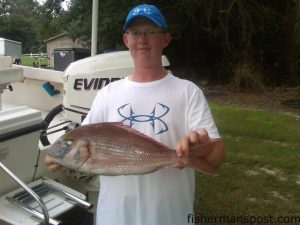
201,165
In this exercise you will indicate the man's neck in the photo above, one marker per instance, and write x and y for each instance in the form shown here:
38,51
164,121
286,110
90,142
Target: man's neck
147,75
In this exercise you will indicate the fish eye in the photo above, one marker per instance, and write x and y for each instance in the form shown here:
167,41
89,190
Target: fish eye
68,143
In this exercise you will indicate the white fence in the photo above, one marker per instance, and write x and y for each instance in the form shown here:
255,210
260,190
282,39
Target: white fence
37,55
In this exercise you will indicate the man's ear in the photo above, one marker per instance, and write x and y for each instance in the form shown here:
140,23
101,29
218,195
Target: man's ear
125,39
167,39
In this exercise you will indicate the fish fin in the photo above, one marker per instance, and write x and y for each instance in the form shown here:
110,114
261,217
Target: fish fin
119,124
201,165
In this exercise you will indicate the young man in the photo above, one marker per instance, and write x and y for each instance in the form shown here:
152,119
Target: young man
166,108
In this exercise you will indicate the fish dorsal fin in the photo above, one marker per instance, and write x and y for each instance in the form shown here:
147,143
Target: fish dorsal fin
132,130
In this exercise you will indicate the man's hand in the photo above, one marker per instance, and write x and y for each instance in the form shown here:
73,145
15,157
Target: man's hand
212,150
193,138
52,165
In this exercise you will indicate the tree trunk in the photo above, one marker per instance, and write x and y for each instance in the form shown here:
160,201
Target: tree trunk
292,44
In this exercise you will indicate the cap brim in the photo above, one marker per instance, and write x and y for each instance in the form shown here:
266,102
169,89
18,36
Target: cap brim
140,16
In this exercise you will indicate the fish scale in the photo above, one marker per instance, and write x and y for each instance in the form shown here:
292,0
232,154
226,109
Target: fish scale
127,152
132,158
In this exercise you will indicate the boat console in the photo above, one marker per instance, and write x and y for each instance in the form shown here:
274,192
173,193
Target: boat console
27,194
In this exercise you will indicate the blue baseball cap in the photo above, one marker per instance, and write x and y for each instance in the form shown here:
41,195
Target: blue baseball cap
150,12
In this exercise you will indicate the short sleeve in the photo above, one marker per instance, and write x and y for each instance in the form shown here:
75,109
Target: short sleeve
199,113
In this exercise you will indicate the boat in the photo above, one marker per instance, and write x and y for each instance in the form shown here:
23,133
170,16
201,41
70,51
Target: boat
36,107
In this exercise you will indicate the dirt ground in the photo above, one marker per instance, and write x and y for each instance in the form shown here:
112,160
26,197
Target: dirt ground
271,99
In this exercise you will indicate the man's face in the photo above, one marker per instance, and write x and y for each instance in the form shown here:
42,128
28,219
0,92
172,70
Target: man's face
146,41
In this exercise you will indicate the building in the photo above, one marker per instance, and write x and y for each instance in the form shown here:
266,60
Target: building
62,41
11,48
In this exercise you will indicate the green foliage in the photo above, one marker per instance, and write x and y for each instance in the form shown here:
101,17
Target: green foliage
78,19
261,174
247,43
110,26
34,61
111,17
50,16
30,23
257,124
17,22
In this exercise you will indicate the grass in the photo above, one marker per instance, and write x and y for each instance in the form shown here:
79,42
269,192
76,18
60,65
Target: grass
261,176
29,61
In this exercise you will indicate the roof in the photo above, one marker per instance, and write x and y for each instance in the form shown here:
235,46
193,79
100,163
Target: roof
4,39
55,37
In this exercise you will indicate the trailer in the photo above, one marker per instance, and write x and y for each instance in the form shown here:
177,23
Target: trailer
11,48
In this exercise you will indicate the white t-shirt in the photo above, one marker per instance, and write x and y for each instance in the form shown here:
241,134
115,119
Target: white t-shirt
165,110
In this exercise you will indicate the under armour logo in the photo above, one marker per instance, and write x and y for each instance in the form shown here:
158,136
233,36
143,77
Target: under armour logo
154,117
137,10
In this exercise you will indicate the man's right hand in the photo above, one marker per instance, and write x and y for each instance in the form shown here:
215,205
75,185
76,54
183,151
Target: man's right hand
52,165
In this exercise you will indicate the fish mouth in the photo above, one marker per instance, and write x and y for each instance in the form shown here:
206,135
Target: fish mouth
54,158
59,155
55,152
62,162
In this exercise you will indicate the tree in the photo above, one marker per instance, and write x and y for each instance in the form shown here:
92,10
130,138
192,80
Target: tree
77,20
111,16
247,43
18,22
50,16
30,23
291,29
